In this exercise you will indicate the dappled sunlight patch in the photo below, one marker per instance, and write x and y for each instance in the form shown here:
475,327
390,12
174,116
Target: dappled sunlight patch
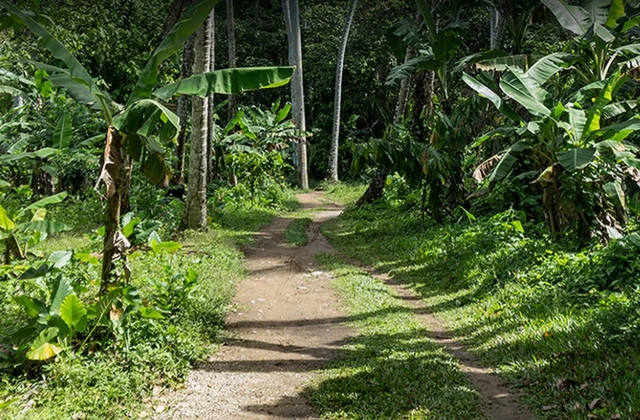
390,369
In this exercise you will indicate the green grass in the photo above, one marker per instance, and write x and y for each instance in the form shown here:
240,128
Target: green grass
561,324
390,369
297,231
117,383
346,193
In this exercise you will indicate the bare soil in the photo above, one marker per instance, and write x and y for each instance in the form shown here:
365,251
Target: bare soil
287,323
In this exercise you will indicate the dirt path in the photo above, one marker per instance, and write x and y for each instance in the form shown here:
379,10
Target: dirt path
287,323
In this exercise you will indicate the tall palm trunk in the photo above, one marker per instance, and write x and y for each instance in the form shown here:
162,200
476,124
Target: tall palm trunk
496,29
292,21
183,111
335,135
210,117
195,211
231,38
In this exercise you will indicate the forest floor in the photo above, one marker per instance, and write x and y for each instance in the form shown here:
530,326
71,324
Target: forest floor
290,323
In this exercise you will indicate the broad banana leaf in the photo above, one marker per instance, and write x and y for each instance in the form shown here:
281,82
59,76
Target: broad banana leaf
524,90
577,122
76,71
620,131
58,50
548,66
522,61
228,82
572,18
189,23
503,167
615,191
145,117
618,108
507,161
46,226
575,158
604,98
63,132
492,96
616,11
598,10
52,199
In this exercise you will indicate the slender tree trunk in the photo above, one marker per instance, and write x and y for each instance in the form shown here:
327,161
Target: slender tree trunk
292,21
231,37
183,111
337,101
195,211
210,117
496,29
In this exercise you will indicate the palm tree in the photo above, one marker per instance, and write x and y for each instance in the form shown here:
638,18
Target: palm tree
292,22
335,135
195,211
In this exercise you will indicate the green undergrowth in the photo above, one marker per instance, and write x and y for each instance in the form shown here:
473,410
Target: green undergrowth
115,377
390,369
297,231
560,322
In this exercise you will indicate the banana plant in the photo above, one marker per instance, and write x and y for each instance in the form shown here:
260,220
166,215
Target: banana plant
601,28
559,134
138,129
18,233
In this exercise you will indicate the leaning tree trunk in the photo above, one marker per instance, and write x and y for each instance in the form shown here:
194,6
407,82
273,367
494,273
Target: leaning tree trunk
183,111
195,211
335,134
292,21
376,186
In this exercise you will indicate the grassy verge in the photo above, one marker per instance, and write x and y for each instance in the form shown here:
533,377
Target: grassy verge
297,231
343,193
390,369
115,377
562,324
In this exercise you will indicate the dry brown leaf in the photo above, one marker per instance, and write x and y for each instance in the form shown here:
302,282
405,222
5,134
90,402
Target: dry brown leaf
593,404
484,169
549,407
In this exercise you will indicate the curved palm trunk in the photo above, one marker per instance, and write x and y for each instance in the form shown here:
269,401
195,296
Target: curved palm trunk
337,102
195,211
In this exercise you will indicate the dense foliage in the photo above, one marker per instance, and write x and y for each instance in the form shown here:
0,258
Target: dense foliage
505,136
